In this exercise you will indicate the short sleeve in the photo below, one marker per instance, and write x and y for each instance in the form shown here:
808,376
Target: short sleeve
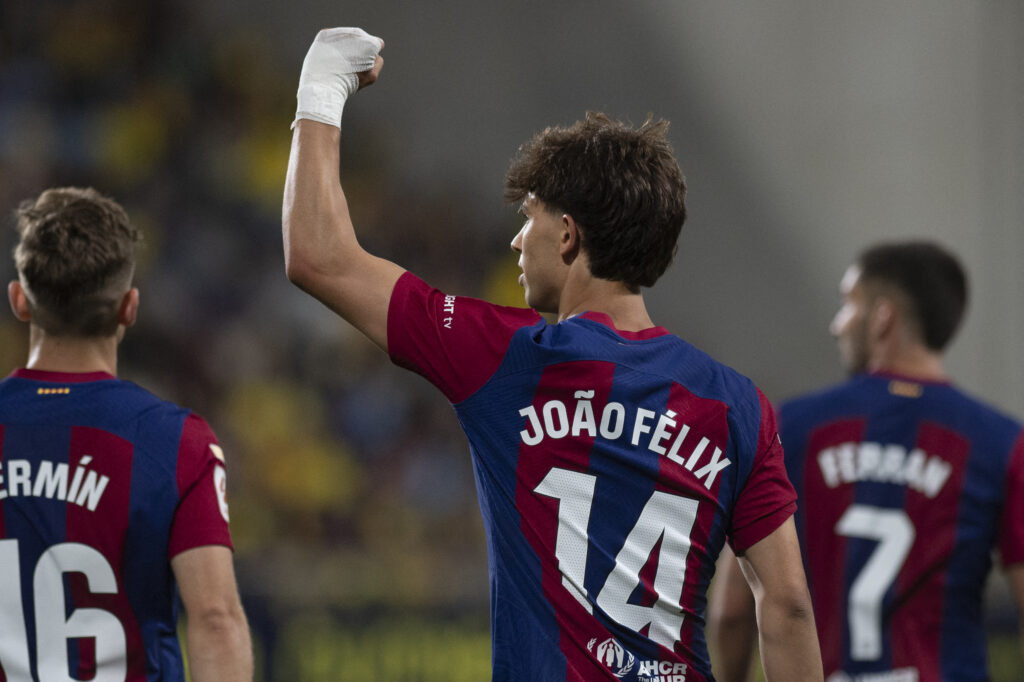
1011,536
455,342
767,498
202,514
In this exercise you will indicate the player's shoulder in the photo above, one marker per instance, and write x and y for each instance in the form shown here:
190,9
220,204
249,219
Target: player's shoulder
844,394
714,378
175,427
145,403
746,407
153,413
975,410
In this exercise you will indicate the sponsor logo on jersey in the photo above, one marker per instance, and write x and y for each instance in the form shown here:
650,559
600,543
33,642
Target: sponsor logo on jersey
613,656
620,662
449,311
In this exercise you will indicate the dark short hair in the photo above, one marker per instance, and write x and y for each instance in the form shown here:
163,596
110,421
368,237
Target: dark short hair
75,256
621,185
932,279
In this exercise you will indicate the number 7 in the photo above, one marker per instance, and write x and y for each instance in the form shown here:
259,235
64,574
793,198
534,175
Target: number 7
894,532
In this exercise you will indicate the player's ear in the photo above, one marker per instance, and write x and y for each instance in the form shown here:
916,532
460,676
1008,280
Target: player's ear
18,300
129,309
883,318
571,241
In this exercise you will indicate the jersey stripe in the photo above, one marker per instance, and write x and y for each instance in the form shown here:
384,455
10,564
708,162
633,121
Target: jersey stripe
110,458
706,536
539,513
829,585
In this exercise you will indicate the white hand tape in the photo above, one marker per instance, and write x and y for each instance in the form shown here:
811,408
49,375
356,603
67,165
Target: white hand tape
329,72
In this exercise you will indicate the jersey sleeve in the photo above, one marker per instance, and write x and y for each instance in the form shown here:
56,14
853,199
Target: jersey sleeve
202,514
767,498
455,342
1011,536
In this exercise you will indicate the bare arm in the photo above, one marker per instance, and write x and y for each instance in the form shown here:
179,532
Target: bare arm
322,255
1015,578
785,618
217,635
732,626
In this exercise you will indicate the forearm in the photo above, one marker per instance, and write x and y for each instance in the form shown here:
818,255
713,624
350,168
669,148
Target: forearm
1015,579
789,642
734,648
316,226
322,255
219,648
318,235
732,626
785,616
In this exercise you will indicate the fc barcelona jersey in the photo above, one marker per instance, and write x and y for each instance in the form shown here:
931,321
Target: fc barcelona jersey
101,484
906,488
610,466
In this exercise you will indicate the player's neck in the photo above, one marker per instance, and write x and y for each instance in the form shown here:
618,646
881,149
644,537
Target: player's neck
914,363
70,354
627,310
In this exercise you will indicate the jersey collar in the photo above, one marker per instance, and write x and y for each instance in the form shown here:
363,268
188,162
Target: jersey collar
643,334
896,376
60,377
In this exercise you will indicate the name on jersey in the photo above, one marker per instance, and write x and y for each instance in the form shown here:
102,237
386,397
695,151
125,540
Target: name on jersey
51,480
852,462
662,434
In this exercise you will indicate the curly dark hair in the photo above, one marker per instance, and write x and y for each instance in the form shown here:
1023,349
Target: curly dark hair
930,277
621,185
75,258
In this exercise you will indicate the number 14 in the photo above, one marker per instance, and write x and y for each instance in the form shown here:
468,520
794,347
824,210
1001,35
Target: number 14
667,517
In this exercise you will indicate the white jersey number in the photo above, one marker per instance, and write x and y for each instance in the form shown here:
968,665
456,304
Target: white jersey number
667,517
54,626
894,533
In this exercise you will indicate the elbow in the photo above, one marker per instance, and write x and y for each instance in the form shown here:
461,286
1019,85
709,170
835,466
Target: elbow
218,627
786,611
730,620
303,270
296,269
221,620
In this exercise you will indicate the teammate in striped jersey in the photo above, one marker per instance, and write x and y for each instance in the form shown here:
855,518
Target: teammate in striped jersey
907,485
111,500
612,459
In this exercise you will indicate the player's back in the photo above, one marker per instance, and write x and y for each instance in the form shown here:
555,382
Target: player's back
608,465
902,487
90,485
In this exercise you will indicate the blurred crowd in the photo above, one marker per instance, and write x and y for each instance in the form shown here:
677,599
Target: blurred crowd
350,484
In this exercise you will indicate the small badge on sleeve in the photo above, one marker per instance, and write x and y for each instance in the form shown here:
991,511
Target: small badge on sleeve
217,451
220,483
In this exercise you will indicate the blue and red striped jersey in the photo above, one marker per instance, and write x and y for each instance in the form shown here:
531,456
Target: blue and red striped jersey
610,466
905,488
101,484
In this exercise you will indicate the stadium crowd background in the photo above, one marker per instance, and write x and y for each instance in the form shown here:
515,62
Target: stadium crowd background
806,132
